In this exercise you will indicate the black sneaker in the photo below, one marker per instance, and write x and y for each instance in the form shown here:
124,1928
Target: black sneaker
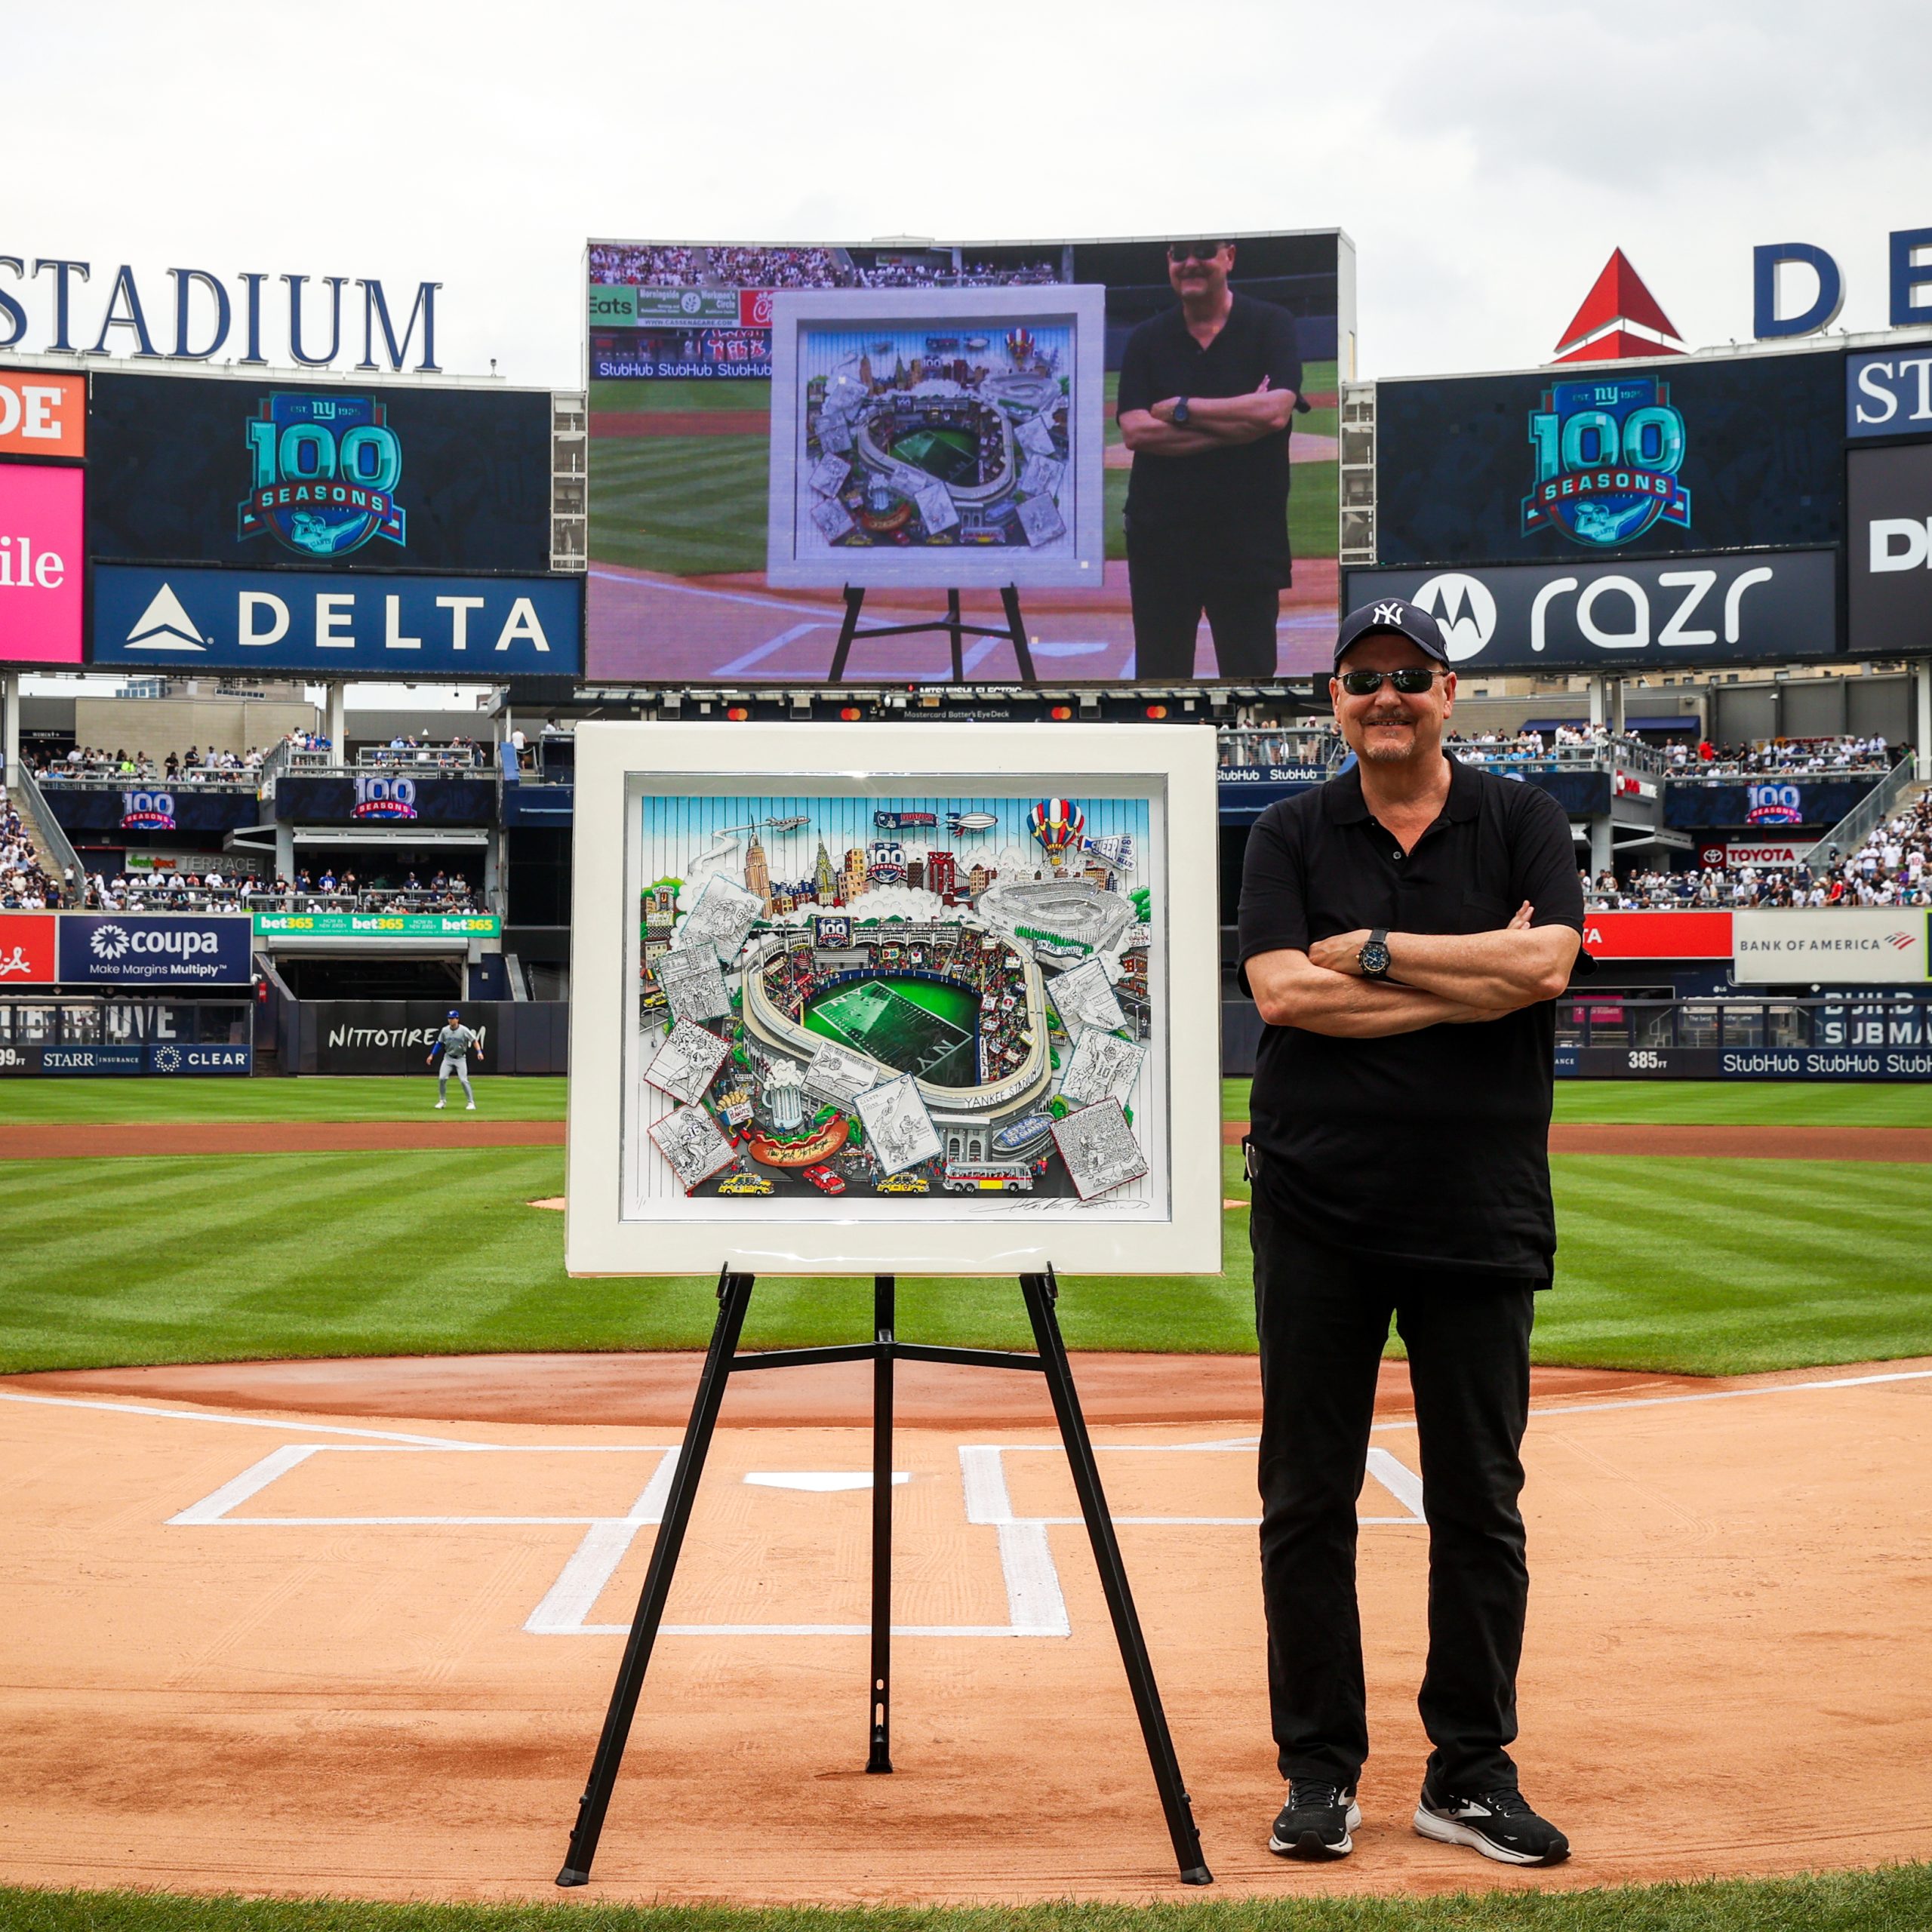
1499,1824
1316,1821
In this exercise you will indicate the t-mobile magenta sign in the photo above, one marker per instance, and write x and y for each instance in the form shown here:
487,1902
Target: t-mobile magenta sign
41,565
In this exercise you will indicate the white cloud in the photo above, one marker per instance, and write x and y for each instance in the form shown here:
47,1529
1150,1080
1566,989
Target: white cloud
1486,157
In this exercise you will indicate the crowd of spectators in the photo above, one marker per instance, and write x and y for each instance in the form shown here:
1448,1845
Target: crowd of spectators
653,265
1777,756
644,267
324,891
405,748
26,884
1894,867
193,766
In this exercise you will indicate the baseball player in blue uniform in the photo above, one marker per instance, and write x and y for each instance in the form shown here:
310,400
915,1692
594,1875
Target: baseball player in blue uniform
455,1043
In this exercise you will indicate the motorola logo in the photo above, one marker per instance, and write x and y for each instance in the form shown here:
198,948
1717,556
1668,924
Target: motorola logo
1465,608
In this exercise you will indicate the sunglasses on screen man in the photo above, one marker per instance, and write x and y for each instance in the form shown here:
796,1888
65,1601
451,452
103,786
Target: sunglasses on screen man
1194,251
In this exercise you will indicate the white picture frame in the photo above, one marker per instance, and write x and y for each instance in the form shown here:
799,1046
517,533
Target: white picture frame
809,328
625,1217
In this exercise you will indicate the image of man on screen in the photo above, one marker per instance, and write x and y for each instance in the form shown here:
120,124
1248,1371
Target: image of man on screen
1208,391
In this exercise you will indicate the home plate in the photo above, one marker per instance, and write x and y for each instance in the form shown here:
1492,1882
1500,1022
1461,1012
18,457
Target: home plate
824,1480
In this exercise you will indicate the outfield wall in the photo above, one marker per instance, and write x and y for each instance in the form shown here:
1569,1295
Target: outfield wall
395,1036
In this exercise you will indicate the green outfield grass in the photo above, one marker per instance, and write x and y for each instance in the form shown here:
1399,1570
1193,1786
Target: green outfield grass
1894,1899
1713,1103
378,1097
1699,1267
692,504
1746,1103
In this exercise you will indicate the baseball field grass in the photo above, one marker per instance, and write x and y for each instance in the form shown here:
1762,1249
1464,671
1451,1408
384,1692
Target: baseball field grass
1892,1900
24,1103
1691,1265
692,504
1705,1102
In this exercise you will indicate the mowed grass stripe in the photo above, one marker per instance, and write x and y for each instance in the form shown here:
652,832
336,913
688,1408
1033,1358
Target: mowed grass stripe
1889,1899
1743,1103
1732,1266
499,1096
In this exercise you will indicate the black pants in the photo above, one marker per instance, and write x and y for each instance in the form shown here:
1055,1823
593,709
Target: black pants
1323,1318
1172,589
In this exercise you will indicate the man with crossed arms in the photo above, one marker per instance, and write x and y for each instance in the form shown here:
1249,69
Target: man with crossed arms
1405,930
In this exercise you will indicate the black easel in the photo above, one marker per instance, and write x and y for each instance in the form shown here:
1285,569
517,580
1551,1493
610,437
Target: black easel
734,1292
1014,631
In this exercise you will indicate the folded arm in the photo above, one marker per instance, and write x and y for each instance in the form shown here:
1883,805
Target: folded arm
1142,429
1235,418
1515,967
1213,422
1291,989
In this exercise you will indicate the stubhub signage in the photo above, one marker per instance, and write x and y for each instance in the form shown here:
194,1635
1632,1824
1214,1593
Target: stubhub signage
409,626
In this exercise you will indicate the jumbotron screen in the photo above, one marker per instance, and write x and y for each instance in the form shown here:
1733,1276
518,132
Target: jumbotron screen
781,435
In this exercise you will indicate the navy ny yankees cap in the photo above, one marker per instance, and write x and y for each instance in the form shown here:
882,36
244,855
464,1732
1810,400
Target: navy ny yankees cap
1393,617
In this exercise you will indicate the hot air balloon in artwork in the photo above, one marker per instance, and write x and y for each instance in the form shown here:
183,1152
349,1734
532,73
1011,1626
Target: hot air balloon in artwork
1057,824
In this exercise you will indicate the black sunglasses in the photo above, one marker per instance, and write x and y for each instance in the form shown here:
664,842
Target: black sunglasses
1412,680
1194,251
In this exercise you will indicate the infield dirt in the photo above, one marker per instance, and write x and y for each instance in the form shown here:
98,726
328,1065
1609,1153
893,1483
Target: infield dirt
331,1672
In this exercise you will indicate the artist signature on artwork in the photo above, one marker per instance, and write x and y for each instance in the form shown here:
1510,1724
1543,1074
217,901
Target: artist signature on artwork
1056,1204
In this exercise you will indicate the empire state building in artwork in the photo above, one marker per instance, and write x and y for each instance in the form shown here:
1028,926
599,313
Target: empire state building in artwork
757,873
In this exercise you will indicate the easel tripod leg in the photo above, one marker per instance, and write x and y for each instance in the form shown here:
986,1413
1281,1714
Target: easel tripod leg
879,1758
1040,1292
734,1294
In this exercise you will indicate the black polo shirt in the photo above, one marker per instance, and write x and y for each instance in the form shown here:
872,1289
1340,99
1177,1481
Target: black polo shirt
1429,1148
1234,499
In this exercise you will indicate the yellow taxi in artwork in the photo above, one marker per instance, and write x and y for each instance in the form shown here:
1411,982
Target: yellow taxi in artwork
904,1184
743,1183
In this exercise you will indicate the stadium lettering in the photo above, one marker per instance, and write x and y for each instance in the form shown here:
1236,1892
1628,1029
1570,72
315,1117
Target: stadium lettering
205,315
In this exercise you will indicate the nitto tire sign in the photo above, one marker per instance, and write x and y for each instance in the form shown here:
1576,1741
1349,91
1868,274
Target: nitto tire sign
1751,607
135,949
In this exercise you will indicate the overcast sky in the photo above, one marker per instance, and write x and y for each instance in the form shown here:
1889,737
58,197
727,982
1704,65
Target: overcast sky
1485,155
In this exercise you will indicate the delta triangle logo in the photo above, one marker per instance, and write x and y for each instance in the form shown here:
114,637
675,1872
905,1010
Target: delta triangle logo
1620,319
165,625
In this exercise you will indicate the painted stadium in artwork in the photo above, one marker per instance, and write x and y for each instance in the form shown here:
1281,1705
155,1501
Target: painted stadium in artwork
847,1000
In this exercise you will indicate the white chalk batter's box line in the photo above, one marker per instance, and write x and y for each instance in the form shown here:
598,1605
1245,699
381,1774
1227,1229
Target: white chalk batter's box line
1036,1607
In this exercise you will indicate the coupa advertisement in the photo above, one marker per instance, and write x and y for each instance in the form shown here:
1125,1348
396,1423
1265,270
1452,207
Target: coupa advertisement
135,948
